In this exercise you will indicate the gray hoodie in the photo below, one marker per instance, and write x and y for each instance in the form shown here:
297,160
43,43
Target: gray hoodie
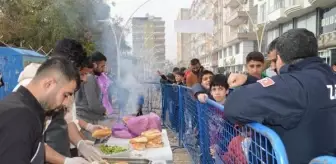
88,101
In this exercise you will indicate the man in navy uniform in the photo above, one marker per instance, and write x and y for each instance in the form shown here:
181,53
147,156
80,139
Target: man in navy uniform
299,104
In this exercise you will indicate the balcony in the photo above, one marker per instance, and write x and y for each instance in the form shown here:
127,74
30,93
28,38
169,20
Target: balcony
233,3
237,17
292,6
240,35
276,11
321,3
312,1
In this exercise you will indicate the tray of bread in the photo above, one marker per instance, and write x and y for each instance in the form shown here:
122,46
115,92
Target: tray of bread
148,139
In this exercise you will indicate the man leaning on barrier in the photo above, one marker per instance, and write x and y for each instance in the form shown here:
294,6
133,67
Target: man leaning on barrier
299,103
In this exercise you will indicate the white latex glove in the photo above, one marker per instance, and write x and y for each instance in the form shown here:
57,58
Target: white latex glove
202,97
91,128
76,160
88,151
89,142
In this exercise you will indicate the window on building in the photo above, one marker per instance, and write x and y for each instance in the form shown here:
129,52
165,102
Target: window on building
279,4
237,48
262,13
229,51
287,26
289,3
275,5
308,22
224,53
272,34
333,56
311,22
326,56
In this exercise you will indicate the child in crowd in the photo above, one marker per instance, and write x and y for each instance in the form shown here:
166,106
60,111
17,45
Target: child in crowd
219,89
179,78
202,88
166,79
255,63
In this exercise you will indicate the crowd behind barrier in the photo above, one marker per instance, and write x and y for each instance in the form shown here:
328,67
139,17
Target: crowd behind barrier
210,139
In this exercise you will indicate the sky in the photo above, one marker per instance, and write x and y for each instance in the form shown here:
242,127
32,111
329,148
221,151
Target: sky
167,9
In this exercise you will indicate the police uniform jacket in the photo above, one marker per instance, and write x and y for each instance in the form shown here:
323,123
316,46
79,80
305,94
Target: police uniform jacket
299,105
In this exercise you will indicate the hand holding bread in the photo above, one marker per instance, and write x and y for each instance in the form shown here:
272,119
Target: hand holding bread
102,133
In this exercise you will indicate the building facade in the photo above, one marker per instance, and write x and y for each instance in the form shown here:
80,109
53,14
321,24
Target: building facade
217,33
202,43
239,35
148,38
183,42
327,33
233,37
318,16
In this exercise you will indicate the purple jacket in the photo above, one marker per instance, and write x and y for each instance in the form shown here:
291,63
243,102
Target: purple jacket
104,83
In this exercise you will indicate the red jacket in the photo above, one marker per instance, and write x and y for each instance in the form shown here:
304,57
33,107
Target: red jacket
191,78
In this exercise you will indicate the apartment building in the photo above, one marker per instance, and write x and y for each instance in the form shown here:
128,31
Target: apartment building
202,43
148,38
233,36
239,37
318,16
148,35
183,42
217,33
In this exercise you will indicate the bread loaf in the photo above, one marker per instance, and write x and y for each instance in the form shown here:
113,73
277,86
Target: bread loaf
101,133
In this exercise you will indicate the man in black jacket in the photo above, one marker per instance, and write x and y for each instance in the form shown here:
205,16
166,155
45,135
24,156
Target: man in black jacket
22,114
62,129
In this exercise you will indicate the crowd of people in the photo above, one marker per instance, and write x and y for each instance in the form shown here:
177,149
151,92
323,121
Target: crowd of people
297,101
63,100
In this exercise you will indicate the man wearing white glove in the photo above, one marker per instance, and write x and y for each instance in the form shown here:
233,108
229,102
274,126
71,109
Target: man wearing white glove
88,126
89,105
86,149
57,148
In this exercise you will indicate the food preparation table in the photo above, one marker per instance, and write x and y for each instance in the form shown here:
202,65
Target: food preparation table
154,154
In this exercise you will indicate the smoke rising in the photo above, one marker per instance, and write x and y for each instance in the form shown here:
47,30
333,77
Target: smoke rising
106,32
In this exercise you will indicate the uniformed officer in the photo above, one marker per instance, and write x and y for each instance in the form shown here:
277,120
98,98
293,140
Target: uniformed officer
22,114
299,103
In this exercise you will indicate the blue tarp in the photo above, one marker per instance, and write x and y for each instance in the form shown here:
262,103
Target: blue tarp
7,51
12,62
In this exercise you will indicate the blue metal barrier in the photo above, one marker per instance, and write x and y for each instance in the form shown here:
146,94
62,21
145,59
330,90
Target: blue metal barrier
189,128
209,139
223,142
323,160
170,108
